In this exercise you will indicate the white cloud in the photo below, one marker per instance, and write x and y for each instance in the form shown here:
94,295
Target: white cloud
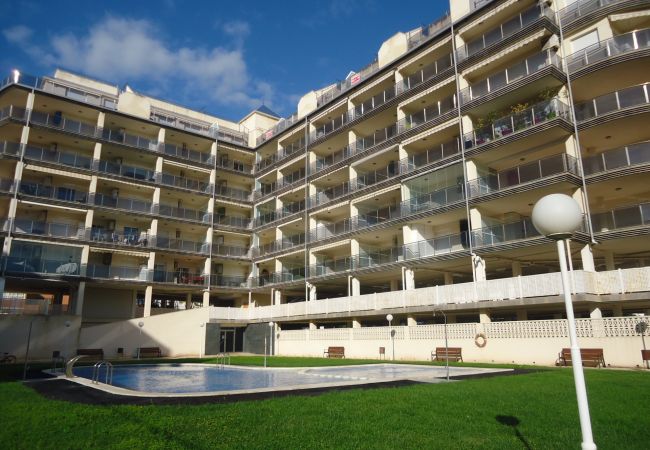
129,50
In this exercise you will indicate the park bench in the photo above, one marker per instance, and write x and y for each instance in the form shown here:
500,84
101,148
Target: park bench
441,354
593,357
149,352
334,352
94,353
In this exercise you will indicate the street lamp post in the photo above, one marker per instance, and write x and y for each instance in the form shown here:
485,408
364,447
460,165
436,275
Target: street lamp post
201,340
29,338
446,341
558,216
389,317
270,341
140,325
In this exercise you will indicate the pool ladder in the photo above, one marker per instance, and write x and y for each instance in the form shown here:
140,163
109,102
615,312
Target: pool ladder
109,372
223,359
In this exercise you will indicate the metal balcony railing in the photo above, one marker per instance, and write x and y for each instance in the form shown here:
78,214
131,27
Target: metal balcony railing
499,80
52,192
234,165
440,245
524,173
425,74
282,125
323,162
187,278
614,101
233,221
329,194
630,155
432,200
128,204
112,237
50,155
184,245
60,122
185,153
219,280
623,217
506,232
13,112
540,113
135,173
129,273
617,45
280,213
50,229
437,153
504,30
342,86
285,276
230,250
185,183
427,114
579,8
422,34
10,148
132,140
285,243
182,213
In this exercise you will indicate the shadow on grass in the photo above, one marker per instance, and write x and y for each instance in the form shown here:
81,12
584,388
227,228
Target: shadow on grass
512,421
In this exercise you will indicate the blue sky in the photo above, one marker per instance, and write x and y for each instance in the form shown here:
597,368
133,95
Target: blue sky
224,59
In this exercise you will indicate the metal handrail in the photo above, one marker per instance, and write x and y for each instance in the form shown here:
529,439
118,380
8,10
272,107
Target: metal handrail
70,364
109,372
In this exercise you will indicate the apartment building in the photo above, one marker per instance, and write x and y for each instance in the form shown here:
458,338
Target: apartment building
419,170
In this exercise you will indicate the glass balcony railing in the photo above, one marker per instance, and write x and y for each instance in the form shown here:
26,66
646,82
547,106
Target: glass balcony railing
437,153
441,245
50,229
233,193
628,156
53,156
282,125
330,126
6,185
182,213
378,137
427,114
118,272
423,34
432,200
618,45
128,204
537,114
287,210
112,237
13,112
364,180
285,276
329,194
499,80
524,173
185,183
291,178
506,29
184,245
340,87
329,267
234,165
230,250
425,74
500,233
16,264
10,148
132,140
187,278
219,280
580,8
323,162
372,103
52,192
619,218
135,173
60,122
233,221
614,101
285,243
186,153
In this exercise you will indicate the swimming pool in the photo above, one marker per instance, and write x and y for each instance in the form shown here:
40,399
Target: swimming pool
200,379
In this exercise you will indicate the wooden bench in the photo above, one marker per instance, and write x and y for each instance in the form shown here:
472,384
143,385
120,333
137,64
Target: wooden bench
94,353
593,357
442,353
149,352
334,352
645,356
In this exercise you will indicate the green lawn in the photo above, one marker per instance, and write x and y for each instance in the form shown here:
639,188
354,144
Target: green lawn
467,414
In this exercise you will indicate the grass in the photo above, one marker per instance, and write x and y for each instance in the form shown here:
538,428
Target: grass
536,410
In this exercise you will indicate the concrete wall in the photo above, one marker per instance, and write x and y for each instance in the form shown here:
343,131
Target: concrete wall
254,338
108,304
177,334
49,333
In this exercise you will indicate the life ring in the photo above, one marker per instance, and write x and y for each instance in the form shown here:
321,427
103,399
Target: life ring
480,340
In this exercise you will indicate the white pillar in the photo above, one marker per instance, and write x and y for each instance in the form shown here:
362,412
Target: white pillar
79,298
609,260
587,259
449,278
356,287
411,322
356,323
479,267
409,279
484,316
595,313
148,294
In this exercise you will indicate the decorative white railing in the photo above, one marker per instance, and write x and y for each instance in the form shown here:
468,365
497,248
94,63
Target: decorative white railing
545,285
609,327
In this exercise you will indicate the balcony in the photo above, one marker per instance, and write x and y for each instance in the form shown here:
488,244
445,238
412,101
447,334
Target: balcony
438,153
618,45
183,245
621,218
182,213
28,306
427,32
233,193
282,125
10,148
427,114
52,192
378,137
133,173
58,122
235,166
323,162
433,200
285,276
131,140
529,118
51,156
286,243
329,194
612,102
437,246
49,229
581,8
281,213
13,112
521,174
233,221
121,273
340,87
185,183
230,251
218,280
505,30
500,80
111,237
501,233
367,179
16,264
126,204
427,73
330,267
214,131
630,156
183,152
185,278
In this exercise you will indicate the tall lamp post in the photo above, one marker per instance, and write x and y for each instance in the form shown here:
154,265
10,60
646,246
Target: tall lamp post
558,216
389,317
436,311
201,339
140,325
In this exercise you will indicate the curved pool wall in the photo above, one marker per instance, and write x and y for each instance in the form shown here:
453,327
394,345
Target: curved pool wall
199,379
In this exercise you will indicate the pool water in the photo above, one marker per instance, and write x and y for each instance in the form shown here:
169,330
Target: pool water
198,378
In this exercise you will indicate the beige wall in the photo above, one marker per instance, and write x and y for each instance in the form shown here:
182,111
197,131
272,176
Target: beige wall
107,304
49,333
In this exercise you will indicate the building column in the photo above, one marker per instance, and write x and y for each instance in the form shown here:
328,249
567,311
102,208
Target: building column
148,294
313,326
449,278
356,323
205,299
277,297
312,292
609,260
356,287
409,279
516,269
411,322
394,285
587,259
134,303
484,316
188,300
78,299
479,268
